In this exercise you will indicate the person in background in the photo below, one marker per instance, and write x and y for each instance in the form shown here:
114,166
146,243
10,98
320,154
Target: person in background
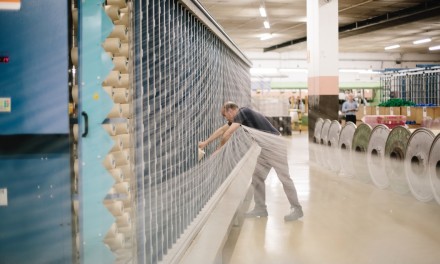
349,109
267,159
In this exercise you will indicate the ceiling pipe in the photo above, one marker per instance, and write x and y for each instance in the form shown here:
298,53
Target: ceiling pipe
431,8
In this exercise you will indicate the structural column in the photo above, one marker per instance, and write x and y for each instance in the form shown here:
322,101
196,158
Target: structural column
322,57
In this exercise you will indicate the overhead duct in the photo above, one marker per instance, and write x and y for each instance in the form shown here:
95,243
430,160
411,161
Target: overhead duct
425,10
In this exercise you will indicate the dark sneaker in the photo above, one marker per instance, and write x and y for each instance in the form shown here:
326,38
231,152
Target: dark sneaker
256,213
294,214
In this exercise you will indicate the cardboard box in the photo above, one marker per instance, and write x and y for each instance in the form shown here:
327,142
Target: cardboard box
409,112
363,111
424,112
436,112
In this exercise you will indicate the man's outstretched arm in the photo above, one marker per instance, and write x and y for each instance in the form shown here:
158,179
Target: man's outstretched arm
218,133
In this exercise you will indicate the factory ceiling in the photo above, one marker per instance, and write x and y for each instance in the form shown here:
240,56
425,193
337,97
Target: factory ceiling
364,25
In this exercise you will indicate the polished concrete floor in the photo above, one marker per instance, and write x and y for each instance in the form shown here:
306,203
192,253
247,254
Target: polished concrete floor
345,221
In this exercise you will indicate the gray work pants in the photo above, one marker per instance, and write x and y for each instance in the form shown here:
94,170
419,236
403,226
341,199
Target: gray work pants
277,159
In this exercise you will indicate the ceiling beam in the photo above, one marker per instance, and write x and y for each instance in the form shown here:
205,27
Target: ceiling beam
429,9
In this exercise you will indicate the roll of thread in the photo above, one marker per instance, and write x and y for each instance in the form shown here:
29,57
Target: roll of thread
117,174
126,230
120,32
120,95
116,208
127,172
125,141
123,50
75,93
76,206
122,128
124,80
109,162
115,112
121,64
118,144
75,130
118,3
113,79
116,242
112,45
74,55
76,166
77,242
122,187
123,19
120,158
75,17
125,111
110,128
113,12
123,220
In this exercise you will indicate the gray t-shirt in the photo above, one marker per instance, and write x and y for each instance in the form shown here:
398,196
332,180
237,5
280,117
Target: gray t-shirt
349,108
251,118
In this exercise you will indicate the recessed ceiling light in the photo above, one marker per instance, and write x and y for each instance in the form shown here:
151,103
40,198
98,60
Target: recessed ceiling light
434,48
266,24
392,47
420,41
263,11
266,36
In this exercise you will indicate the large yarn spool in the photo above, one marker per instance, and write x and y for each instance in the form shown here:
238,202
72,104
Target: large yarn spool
434,167
395,149
416,164
333,139
376,156
317,139
344,145
324,143
318,128
359,148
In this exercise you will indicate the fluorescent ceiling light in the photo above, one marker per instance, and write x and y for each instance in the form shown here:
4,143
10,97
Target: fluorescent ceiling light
420,41
434,48
262,11
266,36
266,24
392,47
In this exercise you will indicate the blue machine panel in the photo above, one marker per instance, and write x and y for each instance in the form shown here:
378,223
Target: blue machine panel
35,162
34,68
35,225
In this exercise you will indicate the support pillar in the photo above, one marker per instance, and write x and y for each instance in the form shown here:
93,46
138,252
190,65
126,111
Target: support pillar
323,59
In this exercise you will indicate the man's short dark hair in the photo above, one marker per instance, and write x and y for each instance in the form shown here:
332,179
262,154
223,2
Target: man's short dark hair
230,105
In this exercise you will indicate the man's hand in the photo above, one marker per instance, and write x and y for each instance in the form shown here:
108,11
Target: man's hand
202,144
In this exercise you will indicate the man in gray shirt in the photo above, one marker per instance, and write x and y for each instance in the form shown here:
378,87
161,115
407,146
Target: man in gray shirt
268,158
349,108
